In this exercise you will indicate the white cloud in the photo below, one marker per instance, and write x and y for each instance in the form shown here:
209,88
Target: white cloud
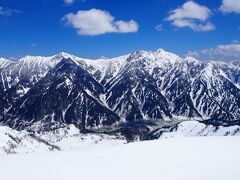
8,12
126,26
221,52
229,6
193,25
97,22
69,2
159,27
191,15
190,10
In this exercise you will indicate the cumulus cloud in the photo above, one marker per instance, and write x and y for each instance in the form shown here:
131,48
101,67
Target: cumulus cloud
221,52
69,2
8,12
229,6
125,26
191,15
97,22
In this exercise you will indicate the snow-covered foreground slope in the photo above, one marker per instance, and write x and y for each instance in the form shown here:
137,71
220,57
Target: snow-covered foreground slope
64,139
69,138
12,141
202,158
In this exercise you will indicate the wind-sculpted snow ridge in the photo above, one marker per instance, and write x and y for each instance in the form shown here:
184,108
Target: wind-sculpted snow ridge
41,93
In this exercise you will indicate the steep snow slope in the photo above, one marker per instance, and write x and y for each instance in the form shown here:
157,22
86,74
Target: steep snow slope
192,89
205,158
17,78
105,69
67,94
133,93
230,71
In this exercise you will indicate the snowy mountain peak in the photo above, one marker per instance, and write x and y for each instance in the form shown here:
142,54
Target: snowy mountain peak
191,59
45,60
34,59
158,55
140,53
4,60
63,55
161,54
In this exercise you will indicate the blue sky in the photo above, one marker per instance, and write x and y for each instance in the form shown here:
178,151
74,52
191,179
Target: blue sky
94,28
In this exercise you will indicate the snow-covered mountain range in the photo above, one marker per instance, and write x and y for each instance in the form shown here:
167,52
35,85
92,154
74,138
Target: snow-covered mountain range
43,93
